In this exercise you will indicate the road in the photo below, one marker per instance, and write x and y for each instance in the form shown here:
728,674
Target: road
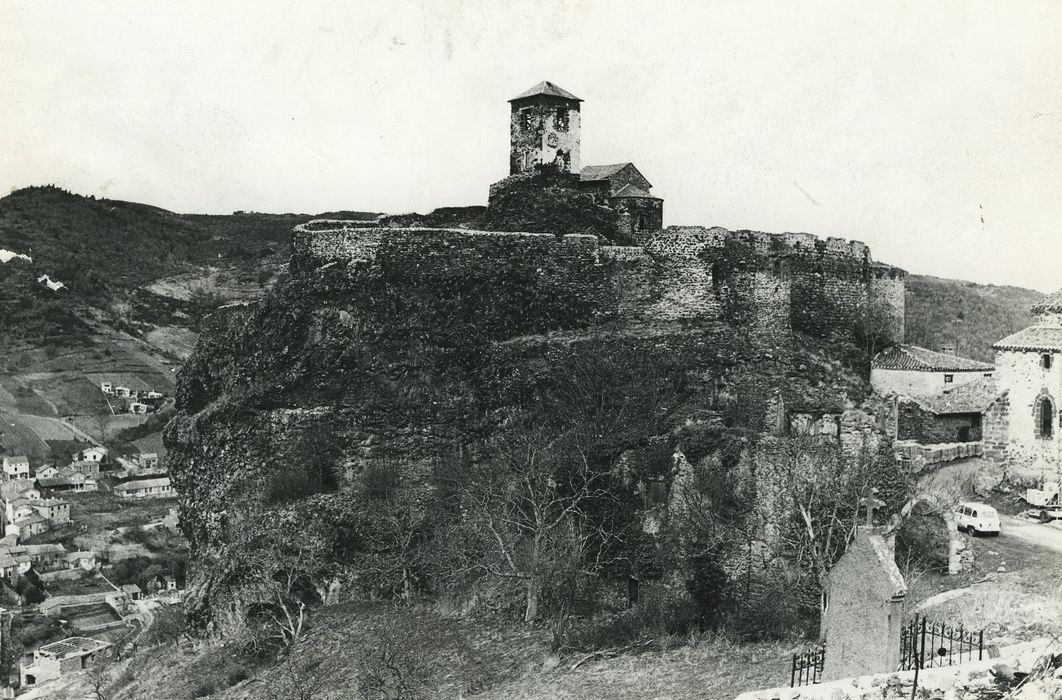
1032,532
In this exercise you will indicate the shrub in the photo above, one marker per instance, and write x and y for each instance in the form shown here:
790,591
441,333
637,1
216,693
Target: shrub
660,612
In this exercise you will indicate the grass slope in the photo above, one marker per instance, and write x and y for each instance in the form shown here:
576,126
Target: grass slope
967,315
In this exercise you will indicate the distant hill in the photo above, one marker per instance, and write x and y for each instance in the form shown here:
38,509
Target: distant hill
967,315
103,249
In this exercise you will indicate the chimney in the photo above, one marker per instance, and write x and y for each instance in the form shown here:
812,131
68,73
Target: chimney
947,349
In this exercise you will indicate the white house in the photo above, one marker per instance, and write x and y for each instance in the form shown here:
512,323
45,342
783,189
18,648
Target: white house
121,392
16,467
913,371
107,388
146,488
1028,364
96,453
48,472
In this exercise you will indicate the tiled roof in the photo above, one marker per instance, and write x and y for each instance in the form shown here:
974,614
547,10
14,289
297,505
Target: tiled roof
1033,338
968,397
1049,304
912,357
546,88
634,192
593,173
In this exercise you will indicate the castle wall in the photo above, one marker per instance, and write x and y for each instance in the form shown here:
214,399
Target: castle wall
763,283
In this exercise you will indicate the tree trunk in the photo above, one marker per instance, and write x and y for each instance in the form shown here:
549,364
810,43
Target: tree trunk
534,589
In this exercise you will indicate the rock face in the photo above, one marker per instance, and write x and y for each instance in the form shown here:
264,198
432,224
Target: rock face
392,343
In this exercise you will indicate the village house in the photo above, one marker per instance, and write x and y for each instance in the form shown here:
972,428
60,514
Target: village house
122,392
148,461
913,371
153,395
56,510
47,472
952,415
27,525
16,467
71,655
145,488
107,388
89,468
132,591
68,482
85,561
9,568
1028,372
863,608
96,453
138,408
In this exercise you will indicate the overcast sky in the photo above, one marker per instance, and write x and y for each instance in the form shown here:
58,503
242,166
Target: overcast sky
899,124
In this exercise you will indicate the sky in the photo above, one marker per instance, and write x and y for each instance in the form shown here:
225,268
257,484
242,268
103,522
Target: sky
930,130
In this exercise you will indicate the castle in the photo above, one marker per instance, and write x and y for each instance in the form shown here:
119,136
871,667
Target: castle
768,284
544,130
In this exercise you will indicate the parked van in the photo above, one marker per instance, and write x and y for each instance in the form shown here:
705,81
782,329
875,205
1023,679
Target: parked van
977,518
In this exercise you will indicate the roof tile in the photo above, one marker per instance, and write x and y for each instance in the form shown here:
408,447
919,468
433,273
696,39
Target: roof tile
912,357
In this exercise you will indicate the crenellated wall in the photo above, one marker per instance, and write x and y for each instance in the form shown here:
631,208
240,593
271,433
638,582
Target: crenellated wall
769,284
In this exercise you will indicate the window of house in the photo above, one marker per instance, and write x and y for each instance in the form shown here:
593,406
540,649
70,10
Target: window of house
988,374
641,223
1045,360
561,119
949,378
1045,416
526,119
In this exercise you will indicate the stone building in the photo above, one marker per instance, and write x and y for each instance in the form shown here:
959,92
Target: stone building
952,415
544,129
624,189
1028,371
912,371
863,609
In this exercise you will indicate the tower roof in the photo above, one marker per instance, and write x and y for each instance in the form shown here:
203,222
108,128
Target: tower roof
546,88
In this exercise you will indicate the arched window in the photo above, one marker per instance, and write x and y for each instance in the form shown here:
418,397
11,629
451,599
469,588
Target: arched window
641,223
1045,417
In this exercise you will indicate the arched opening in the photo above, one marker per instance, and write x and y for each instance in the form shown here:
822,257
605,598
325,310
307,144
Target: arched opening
641,223
30,679
1044,417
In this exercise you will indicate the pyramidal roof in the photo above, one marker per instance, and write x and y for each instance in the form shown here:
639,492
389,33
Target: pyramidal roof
546,88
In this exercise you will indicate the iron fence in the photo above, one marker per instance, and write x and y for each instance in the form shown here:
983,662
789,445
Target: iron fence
807,667
926,644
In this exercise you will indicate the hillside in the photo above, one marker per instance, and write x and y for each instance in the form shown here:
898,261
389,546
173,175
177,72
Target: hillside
106,251
967,315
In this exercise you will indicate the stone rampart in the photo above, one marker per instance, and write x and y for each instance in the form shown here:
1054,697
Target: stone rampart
771,283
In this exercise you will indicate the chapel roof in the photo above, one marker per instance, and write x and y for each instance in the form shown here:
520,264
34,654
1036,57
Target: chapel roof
914,358
591,173
1033,338
546,88
632,191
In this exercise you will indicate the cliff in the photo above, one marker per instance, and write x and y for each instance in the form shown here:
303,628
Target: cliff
401,346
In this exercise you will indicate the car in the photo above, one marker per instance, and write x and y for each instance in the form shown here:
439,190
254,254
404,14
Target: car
977,519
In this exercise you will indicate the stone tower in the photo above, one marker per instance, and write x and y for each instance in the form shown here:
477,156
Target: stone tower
544,129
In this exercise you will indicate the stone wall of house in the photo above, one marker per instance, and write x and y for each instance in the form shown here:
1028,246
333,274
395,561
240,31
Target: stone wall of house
1029,384
918,383
995,428
922,426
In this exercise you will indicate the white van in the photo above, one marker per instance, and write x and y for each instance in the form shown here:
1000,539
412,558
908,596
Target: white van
977,518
